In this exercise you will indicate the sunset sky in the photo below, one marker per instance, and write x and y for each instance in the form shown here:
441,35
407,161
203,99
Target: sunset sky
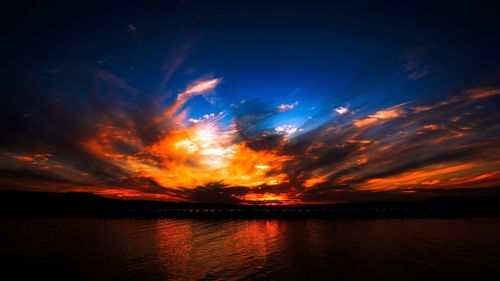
250,102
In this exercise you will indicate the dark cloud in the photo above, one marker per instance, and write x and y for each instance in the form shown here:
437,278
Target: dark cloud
216,192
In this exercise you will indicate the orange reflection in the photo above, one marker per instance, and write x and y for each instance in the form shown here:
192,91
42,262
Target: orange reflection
192,249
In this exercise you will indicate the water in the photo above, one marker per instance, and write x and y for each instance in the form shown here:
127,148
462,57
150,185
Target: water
191,249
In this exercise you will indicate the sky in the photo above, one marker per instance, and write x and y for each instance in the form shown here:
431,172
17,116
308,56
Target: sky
251,102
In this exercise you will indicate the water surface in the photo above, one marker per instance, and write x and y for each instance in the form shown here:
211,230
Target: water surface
192,249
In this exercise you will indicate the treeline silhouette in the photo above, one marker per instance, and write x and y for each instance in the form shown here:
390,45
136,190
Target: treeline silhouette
79,204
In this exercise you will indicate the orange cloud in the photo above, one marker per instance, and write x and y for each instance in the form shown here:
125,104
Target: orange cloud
314,181
379,116
268,198
186,157
446,175
482,93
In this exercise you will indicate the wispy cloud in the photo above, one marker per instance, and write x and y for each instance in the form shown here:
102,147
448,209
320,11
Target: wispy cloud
177,57
286,107
131,28
413,65
380,116
116,81
199,87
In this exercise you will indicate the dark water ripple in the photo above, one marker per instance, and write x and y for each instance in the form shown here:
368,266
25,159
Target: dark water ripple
309,249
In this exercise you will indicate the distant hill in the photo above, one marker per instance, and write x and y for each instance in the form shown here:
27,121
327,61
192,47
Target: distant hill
80,204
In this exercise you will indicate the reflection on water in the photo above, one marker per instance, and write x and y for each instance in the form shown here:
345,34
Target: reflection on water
200,249
189,249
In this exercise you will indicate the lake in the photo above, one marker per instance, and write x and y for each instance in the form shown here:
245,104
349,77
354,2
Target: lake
274,249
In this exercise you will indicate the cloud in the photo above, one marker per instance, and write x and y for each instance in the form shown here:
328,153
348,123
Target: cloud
380,116
413,65
419,73
116,81
199,87
286,129
482,93
211,117
341,110
314,181
131,28
286,107
178,56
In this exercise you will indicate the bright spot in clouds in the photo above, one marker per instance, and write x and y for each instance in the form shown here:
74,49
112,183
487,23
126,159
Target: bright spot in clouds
287,129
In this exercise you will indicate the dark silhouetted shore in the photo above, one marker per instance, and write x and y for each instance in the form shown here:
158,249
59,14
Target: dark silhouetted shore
76,204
